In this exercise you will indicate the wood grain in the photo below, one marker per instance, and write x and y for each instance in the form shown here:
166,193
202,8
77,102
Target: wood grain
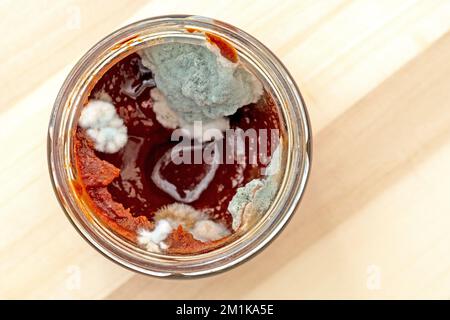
375,218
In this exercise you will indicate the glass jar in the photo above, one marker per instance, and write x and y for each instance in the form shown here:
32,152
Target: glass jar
74,92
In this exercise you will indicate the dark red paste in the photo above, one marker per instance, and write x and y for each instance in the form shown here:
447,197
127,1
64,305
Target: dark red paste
120,185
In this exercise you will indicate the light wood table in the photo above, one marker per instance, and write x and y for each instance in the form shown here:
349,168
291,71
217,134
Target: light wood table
375,220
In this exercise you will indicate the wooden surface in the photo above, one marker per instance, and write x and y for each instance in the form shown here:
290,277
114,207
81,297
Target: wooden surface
375,220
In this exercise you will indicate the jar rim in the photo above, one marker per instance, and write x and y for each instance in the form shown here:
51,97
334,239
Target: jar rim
70,96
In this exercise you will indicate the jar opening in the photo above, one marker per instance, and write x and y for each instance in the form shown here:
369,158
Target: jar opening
90,77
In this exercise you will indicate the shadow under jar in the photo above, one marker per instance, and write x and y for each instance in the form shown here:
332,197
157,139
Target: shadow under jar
135,204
